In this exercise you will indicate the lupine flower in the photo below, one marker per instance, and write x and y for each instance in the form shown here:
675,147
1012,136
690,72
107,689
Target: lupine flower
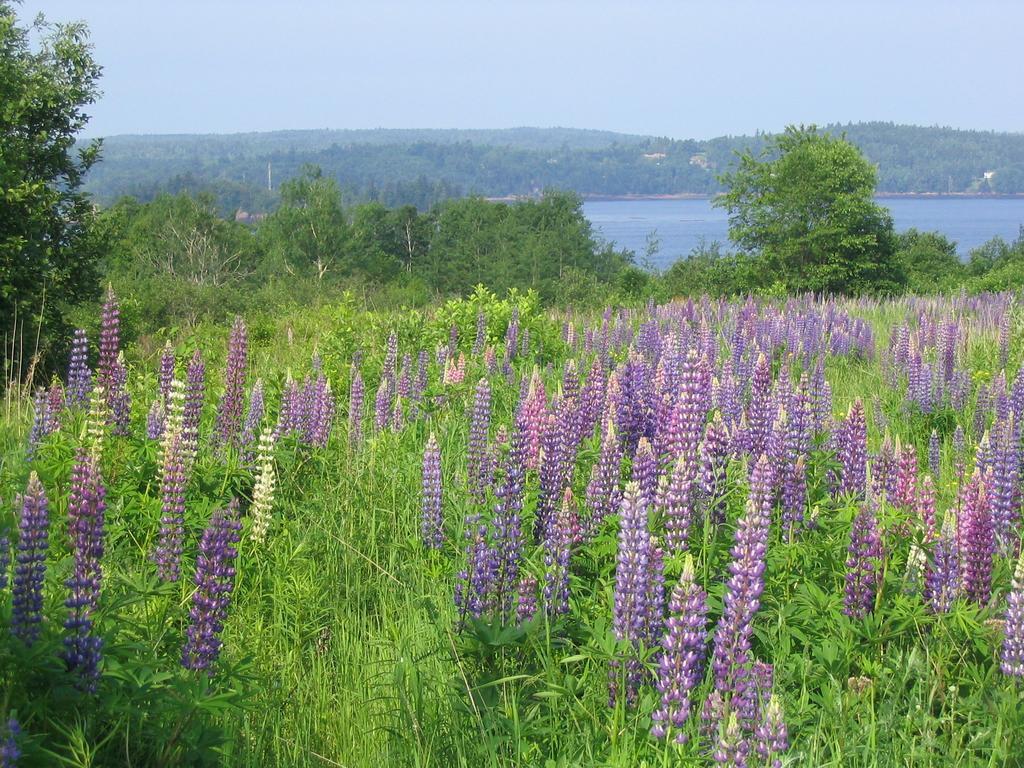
355,409
863,566
958,452
30,571
772,737
263,490
942,576
976,540
320,417
42,421
5,559
86,513
79,381
9,750
481,333
681,662
557,553
603,494
382,407
714,458
906,477
645,471
742,597
155,420
1012,655
934,454
532,412
1004,484
173,478
676,495
166,368
119,400
253,419
478,464
508,529
731,747
474,586
759,411
926,506
214,580
228,427
432,520
526,600
195,394
853,456
110,339
631,613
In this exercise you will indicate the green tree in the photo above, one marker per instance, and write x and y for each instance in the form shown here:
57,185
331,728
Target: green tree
48,252
309,232
805,204
930,261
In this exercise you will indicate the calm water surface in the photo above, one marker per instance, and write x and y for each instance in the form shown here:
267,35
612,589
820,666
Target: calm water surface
681,225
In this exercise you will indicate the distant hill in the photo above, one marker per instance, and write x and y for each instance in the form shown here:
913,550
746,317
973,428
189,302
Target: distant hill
420,167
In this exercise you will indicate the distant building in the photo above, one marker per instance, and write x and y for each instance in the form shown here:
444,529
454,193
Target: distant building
244,217
700,160
989,175
654,155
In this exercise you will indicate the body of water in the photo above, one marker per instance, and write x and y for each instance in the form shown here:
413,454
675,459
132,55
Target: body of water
681,225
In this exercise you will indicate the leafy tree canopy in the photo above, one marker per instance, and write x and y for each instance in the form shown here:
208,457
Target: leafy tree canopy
48,254
805,204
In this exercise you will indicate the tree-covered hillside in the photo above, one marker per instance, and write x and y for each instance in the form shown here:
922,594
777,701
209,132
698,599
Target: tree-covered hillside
421,167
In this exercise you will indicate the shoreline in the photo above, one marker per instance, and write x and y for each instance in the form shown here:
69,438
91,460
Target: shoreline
878,196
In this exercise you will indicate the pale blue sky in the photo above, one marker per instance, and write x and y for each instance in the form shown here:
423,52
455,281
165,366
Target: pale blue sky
679,69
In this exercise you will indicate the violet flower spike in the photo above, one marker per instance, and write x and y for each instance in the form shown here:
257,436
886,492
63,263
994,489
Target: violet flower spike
30,570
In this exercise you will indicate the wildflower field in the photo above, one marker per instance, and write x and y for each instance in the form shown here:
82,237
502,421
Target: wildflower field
746,533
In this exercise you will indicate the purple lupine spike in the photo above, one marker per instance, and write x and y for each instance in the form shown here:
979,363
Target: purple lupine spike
397,415
853,457
357,392
30,571
173,478
432,520
1012,653
759,411
730,746
532,412
763,485
320,415
166,369
86,515
771,735
677,493
382,407
1004,339
592,397
714,458
453,340
554,470
934,455
214,580
863,566
1004,484
561,535
490,360
526,599
474,586
404,386
906,477
926,507
976,540
942,576
983,455
481,333
631,613
253,420
110,340
742,598
478,465
507,522
118,398
228,427
79,375
155,420
10,752
195,395
603,493
635,412
40,421
681,662
290,416
645,471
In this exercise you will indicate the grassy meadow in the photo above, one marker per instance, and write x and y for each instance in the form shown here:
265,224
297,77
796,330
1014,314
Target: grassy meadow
343,644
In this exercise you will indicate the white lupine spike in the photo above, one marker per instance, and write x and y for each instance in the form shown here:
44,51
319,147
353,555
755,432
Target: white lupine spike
263,491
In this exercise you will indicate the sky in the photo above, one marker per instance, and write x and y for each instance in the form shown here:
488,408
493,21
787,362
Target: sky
679,69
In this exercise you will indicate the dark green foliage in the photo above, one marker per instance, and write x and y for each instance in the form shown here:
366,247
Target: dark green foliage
930,262
47,252
805,205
